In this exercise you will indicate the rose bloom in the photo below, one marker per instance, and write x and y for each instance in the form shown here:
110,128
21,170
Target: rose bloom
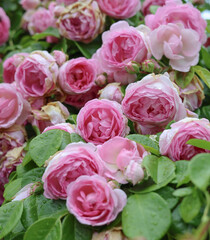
10,65
14,109
66,2
153,102
37,74
123,162
29,4
186,14
66,166
148,3
93,202
67,127
4,26
78,75
120,9
100,120
178,44
173,141
82,21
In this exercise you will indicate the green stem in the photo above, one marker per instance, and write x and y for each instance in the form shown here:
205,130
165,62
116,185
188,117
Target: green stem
207,208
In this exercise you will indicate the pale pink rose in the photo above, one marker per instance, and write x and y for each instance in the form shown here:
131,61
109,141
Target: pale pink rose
121,45
66,2
40,21
115,233
14,109
112,92
26,18
4,26
100,120
67,127
173,141
120,9
153,102
37,74
29,4
148,3
60,57
10,65
123,162
93,202
66,166
82,21
78,75
186,14
180,45
79,100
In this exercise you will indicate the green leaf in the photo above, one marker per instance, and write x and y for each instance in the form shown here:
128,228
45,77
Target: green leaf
183,79
66,139
199,169
10,214
68,228
182,174
205,56
146,215
203,73
153,8
182,192
12,188
190,207
32,176
199,143
45,145
160,169
146,142
76,138
44,229
48,32
62,45
26,159
167,194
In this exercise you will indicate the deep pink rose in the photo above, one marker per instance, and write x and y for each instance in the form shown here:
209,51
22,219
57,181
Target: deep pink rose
112,92
93,201
78,75
173,141
120,9
101,120
148,3
14,109
153,102
186,14
66,166
4,26
67,127
66,2
82,21
120,161
29,4
37,74
178,44
10,65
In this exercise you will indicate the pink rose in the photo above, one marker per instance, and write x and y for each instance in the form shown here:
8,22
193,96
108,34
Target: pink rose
26,18
100,120
82,21
153,102
178,44
173,141
4,26
93,202
67,127
37,74
40,21
78,75
60,57
10,65
186,14
66,166
30,4
112,92
123,162
148,3
120,9
121,45
14,109
66,2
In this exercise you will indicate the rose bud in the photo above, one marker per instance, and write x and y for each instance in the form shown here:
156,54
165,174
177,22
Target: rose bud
153,102
66,166
29,4
120,10
60,57
173,141
115,233
151,66
93,202
112,92
37,74
77,75
4,26
101,80
82,21
67,127
132,67
123,163
10,65
100,120
14,109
